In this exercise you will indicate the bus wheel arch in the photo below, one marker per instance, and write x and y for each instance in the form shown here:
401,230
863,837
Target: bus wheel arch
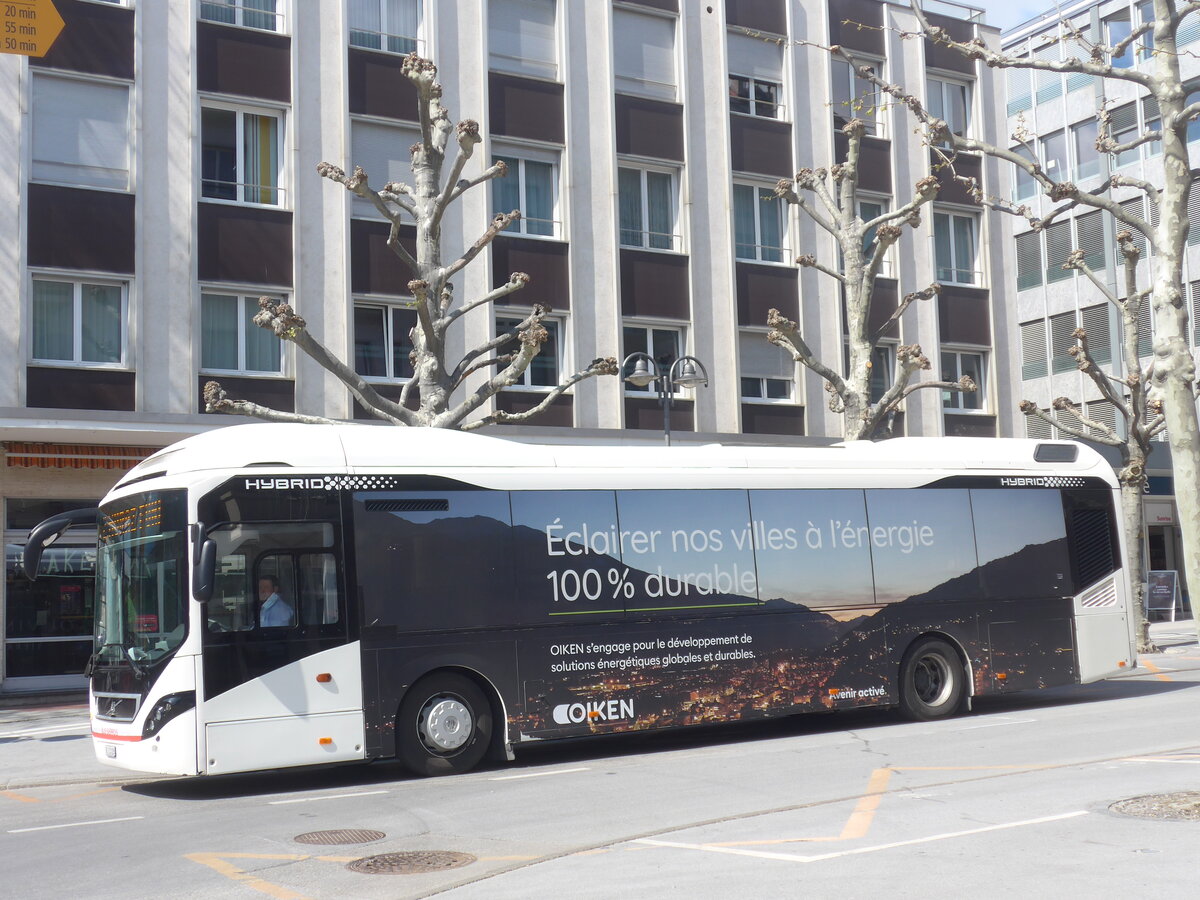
447,722
934,680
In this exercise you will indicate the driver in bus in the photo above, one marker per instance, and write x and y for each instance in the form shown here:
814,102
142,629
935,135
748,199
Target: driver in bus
273,612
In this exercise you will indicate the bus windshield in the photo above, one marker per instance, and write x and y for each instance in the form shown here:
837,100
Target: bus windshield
141,612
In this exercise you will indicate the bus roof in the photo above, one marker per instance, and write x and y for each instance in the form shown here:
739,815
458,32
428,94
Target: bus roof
356,448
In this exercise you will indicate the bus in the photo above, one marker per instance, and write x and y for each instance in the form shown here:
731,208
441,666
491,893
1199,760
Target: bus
273,595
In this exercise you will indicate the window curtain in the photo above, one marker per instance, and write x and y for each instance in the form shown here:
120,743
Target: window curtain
403,322
218,332
101,324
366,24
943,255
964,249
745,241
53,320
259,14
369,342
770,215
401,23
80,132
543,369
261,154
219,11
506,191
661,210
262,347
629,186
521,36
539,198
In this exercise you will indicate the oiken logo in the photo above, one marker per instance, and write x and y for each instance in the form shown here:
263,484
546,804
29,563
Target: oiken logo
593,711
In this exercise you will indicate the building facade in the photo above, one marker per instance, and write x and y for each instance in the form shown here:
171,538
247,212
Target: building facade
161,177
1061,112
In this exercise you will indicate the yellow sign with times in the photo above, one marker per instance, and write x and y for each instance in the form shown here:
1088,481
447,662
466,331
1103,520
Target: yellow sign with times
28,27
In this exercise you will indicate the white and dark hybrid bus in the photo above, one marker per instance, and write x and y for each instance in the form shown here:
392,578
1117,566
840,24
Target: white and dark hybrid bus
286,595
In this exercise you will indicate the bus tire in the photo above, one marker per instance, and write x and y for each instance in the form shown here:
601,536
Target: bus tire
931,681
444,725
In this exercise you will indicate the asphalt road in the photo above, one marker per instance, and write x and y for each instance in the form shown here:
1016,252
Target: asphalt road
1010,800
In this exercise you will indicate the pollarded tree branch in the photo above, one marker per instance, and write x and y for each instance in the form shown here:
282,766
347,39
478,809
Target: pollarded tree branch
516,281
216,401
808,261
499,222
783,190
786,334
599,366
925,294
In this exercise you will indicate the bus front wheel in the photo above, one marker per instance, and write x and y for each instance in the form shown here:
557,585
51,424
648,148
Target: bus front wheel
444,725
931,681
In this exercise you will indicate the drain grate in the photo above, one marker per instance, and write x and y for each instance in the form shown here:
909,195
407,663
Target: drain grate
1180,806
411,862
340,836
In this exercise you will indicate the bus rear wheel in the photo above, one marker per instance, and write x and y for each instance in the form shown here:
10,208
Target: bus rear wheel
444,725
931,681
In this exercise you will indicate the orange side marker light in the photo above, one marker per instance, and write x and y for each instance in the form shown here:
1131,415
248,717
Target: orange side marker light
324,678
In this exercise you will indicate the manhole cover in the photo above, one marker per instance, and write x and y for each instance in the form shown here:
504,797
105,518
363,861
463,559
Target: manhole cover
411,862
340,836
1182,806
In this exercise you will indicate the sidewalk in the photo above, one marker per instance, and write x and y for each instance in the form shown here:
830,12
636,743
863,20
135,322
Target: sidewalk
1173,636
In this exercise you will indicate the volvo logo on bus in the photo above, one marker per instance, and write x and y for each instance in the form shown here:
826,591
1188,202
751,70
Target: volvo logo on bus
593,711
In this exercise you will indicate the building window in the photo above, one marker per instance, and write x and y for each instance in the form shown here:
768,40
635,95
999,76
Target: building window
532,187
854,97
1048,85
1033,350
521,37
383,153
389,25
1097,324
868,211
951,102
755,76
1062,339
1151,122
260,14
1123,127
80,132
954,242
545,368
754,96
231,342
1024,186
1193,127
78,322
1029,260
240,156
767,371
644,54
956,364
757,224
1089,237
382,340
647,212
1058,251
1020,90
662,343
1087,157
1054,156
1117,28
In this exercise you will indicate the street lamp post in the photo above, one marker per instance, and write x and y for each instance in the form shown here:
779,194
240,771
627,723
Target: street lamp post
685,372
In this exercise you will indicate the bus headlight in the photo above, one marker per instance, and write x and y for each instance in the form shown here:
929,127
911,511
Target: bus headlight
166,709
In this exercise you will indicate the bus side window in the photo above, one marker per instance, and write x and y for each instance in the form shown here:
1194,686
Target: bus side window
318,589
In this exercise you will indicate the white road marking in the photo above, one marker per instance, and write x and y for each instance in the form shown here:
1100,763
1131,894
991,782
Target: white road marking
1162,759
326,797
793,857
539,774
74,824
997,724
32,732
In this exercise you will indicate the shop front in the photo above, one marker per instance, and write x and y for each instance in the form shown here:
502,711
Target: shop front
48,623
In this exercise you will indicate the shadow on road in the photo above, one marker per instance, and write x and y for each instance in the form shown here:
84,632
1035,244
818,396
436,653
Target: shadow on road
596,749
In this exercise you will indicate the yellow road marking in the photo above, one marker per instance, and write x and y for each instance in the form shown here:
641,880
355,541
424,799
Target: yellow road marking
219,862
1155,669
21,798
860,820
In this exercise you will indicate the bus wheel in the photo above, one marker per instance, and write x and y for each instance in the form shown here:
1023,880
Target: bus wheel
931,681
444,725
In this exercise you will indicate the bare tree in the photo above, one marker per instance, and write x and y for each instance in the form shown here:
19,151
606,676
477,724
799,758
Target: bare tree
424,203
1133,397
1174,372
863,246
